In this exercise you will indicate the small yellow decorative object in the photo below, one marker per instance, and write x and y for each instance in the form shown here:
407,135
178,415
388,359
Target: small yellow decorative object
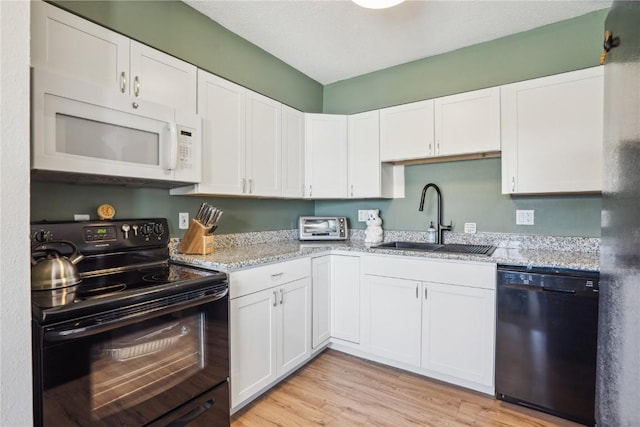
106,212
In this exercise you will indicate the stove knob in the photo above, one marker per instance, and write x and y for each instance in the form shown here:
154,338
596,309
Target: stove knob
145,229
42,236
158,229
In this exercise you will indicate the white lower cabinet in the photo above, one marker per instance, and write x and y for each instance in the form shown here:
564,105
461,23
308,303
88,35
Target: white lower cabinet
394,318
434,317
345,298
457,331
321,322
270,329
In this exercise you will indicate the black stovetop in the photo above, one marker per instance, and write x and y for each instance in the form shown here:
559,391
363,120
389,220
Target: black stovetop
122,270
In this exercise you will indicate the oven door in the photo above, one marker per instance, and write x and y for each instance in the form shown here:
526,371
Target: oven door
134,373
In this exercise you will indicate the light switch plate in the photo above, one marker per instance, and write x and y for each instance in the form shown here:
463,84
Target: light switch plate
524,217
362,215
470,227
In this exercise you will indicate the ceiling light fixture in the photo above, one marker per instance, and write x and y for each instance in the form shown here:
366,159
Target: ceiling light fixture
377,4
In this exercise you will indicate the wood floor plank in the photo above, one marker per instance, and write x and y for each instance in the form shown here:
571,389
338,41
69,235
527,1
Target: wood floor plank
337,389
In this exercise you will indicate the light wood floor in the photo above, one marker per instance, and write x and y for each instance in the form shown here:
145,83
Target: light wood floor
337,389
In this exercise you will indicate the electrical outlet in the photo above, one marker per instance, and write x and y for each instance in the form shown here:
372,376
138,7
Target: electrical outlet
183,220
470,227
524,217
363,215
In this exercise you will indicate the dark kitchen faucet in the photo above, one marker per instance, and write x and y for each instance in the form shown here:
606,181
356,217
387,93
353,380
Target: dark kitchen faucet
441,228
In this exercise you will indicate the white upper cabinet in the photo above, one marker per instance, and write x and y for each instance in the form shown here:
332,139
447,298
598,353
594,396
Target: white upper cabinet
552,134
326,156
162,78
468,123
364,155
221,104
76,48
263,146
407,131
292,152
240,141
67,44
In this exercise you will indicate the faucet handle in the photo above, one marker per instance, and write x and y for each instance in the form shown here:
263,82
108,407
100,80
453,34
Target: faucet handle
447,227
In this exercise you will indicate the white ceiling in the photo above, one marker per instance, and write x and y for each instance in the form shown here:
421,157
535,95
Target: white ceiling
332,40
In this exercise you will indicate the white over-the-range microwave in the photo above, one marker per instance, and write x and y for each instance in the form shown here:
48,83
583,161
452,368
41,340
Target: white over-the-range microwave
81,128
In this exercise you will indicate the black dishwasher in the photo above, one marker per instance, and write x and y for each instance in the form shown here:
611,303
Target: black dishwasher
546,340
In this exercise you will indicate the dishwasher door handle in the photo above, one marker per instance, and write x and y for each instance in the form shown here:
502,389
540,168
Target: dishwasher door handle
559,290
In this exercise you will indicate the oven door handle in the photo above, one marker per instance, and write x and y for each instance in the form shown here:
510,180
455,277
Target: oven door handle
192,415
68,332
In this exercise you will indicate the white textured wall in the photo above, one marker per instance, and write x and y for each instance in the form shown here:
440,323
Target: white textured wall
15,307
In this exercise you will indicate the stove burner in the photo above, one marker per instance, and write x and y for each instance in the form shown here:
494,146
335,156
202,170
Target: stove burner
101,291
165,276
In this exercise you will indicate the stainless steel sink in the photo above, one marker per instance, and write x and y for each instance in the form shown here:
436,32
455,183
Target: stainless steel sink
410,246
434,247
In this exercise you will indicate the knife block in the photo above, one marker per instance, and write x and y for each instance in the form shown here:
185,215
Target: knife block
196,241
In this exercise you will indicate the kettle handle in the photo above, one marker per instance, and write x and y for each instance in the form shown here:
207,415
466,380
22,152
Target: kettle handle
75,256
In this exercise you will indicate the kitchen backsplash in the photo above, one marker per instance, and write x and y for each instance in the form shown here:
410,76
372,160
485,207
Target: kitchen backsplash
500,240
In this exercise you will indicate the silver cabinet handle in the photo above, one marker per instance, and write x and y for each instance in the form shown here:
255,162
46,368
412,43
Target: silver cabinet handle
310,190
425,293
136,86
438,147
417,296
250,185
275,298
244,185
351,190
513,184
276,276
135,105
281,296
123,82
429,153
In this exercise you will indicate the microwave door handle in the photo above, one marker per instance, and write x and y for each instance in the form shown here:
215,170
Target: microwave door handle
173,147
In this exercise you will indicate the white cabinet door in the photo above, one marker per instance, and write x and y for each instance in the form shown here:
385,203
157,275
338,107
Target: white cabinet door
294,339
321,274
69,45
458,325
325,156
253,336
221,104
394,318
292,152
407,131
79,49
345,298
552,134
162,78
364,155
468,122
263,146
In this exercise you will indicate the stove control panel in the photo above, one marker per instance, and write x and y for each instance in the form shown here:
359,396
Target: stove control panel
102,236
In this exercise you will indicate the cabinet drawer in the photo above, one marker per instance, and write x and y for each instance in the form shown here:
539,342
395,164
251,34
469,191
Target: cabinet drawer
256,279
464,273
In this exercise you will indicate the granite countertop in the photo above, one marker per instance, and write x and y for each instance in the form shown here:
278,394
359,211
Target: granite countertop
229,258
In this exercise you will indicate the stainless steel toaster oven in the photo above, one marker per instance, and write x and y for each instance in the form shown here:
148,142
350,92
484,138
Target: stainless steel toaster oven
323,228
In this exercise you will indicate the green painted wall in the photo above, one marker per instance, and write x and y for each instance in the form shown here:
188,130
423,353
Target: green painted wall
57,201
472,191
563,46
179,30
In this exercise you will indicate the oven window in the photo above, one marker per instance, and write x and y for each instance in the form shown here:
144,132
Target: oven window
135,374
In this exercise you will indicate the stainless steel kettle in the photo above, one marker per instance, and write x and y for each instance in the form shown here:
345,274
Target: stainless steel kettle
54,277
